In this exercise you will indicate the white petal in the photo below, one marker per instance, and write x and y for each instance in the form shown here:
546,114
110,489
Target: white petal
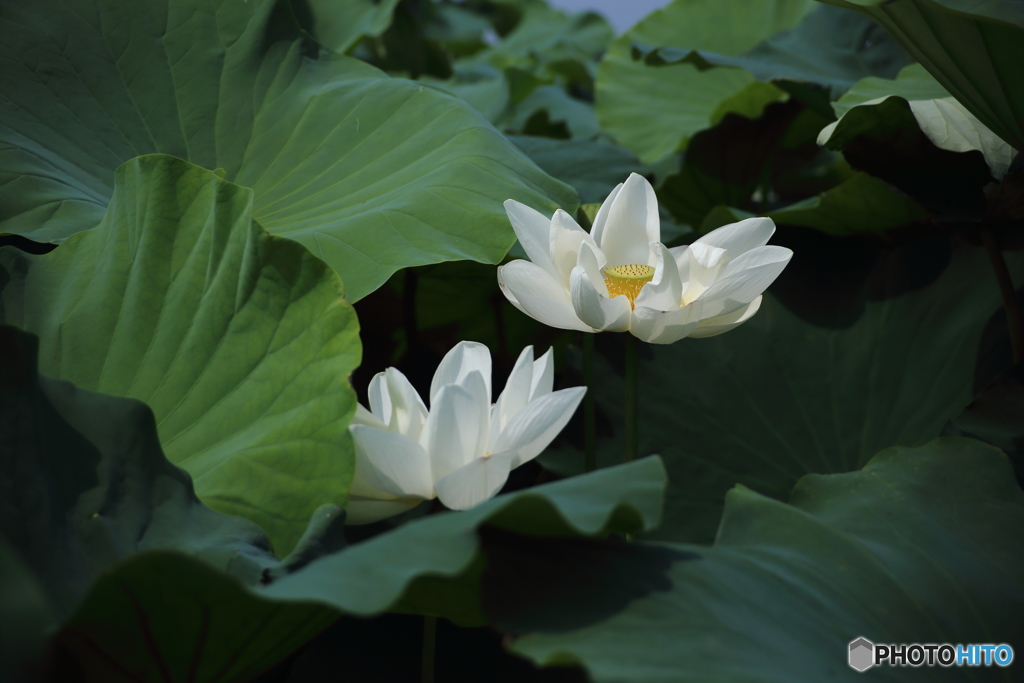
407,410
601,219
632,223
539,296
566,237
536,425
543,375
463,358
709,327
705,264
665,327
595,309
368,511
456,430
380,401
365,417
665,290
590,259
707,256
516,393
391,463
533,229
739,238
682,256
474,482
743,279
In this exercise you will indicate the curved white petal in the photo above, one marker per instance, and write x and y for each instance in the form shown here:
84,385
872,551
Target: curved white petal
391,463
743,279
601,219
365,417
665,327
368,510
705,263
592,261
533,230
474,482
543,375
632,223
709,327
456,431
463,358
739,238
595,309
379,400
406,409
682,257
665,290
516,393
566,238
539,296
531,429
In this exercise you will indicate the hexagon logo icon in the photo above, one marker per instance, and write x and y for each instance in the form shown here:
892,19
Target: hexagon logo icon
862,653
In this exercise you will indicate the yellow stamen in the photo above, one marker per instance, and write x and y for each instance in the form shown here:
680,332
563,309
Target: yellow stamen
627,280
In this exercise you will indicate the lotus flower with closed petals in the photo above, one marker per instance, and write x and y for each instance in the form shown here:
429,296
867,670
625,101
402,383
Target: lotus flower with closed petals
620,277
462,449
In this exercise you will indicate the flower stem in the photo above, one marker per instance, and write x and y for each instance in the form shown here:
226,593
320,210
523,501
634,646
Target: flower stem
632,425
589,409
1002,273
429,640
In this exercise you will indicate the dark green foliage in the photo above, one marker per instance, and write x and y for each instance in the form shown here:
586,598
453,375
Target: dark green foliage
194,193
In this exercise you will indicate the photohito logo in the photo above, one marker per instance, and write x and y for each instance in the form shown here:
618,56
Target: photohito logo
864,654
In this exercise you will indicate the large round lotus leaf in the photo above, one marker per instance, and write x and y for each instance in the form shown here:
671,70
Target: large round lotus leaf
371,173
654,110
163,611
432,565
922,546
779,397
239,341
972,48
164,616
946,122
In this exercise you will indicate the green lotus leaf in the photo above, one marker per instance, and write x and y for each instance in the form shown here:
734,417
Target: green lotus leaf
859,204
918,547
371,173
26,619
970,47
862,203
544,35
655,110
946,123
832,47
482,86
162,615
996,416
339,25
87,486
593,168
239,341
781,397
432,565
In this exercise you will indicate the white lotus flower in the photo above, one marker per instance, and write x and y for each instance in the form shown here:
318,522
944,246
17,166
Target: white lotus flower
463,448
621,277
